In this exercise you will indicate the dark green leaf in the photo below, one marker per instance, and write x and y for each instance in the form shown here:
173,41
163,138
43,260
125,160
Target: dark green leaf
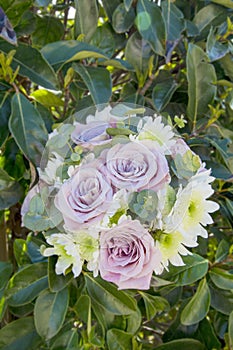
32,65
174,20
108,296
110,7
134,321
98,81
119,340
215,50
68,340
6,269
198,306
162,93
151,25
103,39
13,7
221,300
10,191
48,29
5,111
128,4
154,304
57,282
189,344
122,20
222,250
227,65
201,78
20,252
230,330
27,128
221,278
50,312
138,53
86,18
20,334
26,284
195,268
83,308
206,334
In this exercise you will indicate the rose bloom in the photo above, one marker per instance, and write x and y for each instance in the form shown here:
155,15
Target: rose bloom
84,198
128,255
136,166
91,134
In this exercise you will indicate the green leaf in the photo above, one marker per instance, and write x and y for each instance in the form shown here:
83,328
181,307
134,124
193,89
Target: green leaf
27,128
174,20
68,340
215,50
13,7
221,300
110,7
70,50
50,311
42,3
195,268
226,3
162,93
47,98
222,250
206,334
122,19
86,18
103,39
201,78
98,81
227,65
221,278
198,307
189,344
128,4
10,191
26,284
57,282
151,25
48,29
5,111
138,53
20,334
32,65
119,340
83,308
108,296
154,304
20,252
230,330
6,269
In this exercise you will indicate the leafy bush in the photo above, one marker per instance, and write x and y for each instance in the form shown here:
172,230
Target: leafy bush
172,56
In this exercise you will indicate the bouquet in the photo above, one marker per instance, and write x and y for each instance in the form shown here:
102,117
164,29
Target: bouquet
121,195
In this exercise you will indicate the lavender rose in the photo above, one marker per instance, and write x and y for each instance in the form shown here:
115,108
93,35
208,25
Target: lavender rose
128,255
84,198
136,166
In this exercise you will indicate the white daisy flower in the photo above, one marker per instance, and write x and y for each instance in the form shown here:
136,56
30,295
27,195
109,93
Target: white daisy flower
154,129
49,174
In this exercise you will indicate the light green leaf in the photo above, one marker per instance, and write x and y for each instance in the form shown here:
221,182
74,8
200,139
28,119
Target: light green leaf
20,252
195,268
32,65
47,98
6,269
97,80
198,307
48,29
27,128
201,78
119,340
221,278
50,311
86,18
122,20
26,284
226,3
42,3
162,93
189,344
108,296
20,334
154,304
151,25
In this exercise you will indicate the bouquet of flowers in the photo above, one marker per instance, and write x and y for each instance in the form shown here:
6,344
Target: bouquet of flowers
121,195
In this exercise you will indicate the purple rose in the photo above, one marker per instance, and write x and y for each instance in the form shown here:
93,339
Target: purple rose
128,255
136,166
84,198
91,134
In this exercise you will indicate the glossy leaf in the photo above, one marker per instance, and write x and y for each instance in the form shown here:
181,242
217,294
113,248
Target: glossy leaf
97,80
222,250
68,340
47,98
227,3
6,270
10,191
190,344
86,18
221,300
221,278
50,312
154,304
32,65
83,308
108,296
20,334
5,111
206,334
48,29
151,25
174,21
122,19
210,15
26,284
162,93
27,128
57,282
201,78
215,49
138,53
20,252
128,4
195,268
198,307
227,65
110,7
119,340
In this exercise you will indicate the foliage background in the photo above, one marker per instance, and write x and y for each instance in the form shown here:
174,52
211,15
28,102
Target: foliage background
172,56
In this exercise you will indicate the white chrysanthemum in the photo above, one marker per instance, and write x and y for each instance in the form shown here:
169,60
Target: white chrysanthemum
172,246
49,174
154,129
117,208
191,210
